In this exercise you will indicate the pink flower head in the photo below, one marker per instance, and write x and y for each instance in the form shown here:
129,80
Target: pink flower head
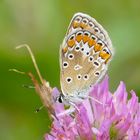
118,118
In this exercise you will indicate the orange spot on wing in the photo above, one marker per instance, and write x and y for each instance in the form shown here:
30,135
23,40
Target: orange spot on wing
75,24
79,38
91,42
97,47
71,43
64,50
83,25
85,38
104,55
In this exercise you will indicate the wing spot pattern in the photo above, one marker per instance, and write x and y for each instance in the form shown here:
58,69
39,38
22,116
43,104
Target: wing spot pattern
86,77
65,64
71,56
71,41
68,80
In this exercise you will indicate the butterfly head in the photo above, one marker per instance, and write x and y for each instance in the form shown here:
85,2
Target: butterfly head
60,98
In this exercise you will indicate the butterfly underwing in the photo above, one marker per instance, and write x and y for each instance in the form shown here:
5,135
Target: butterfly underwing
84,57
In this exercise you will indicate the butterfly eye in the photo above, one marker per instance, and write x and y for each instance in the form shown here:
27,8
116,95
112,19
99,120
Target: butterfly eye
71,56
60,98
68,79
65,64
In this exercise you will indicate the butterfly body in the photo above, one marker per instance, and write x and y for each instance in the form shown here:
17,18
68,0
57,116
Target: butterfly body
84,57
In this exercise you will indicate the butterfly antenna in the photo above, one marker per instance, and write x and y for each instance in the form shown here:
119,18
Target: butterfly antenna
38,109
28,86
33,59
17,71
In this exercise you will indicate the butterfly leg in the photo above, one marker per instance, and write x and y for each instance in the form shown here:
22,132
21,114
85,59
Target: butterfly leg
104,104
92,98
75,106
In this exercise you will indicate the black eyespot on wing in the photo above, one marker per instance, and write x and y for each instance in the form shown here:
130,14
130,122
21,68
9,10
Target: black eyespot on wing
72,37
78,18
69,79
65,64
71,56
86,33
85,21
97,73
105,50
77,48
79,33
93,37
91,24
79,76
96,30
85,77
100,43
82,49
91,58
96,63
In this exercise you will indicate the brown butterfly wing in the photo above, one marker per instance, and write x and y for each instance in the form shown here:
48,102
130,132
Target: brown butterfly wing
84,54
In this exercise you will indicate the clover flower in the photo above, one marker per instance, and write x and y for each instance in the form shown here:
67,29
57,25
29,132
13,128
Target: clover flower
118,118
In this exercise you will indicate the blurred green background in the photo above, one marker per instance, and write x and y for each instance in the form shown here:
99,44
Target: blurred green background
42,24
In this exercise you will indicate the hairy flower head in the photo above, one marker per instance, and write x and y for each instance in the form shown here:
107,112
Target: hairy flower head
118,118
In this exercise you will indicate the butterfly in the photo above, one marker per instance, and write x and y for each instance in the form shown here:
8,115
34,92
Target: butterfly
85,54
84,58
